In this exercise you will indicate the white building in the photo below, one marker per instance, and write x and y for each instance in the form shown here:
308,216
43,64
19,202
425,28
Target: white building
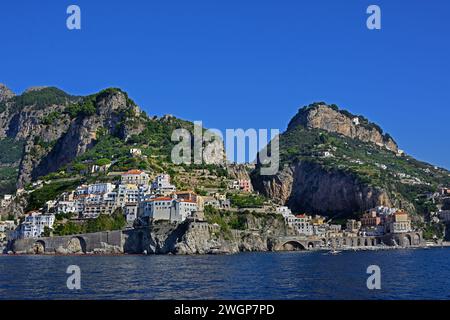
162,186
137,177
131,212
165,208
128,193
301,223
284,211
211,201
67,207
94,205
7,199
27,230
34,225
136,152
100,188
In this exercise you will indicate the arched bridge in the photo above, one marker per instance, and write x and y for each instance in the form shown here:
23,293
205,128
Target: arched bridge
295,243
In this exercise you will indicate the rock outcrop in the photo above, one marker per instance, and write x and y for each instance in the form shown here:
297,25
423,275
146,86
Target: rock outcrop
203,238
189,237
52,136
239,172
336,164
5,93
308,187
331,119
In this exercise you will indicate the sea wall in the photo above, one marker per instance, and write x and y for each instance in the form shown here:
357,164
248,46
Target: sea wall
100,242
199,237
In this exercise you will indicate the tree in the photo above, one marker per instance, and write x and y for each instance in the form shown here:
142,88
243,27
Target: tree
47,231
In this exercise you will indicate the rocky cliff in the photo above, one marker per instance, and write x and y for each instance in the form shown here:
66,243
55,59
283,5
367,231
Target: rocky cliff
5,93
239,172
308,187
336,164
331,119
54,130
204,238
56,127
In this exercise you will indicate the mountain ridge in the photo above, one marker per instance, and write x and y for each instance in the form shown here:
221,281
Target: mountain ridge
333,164
332,161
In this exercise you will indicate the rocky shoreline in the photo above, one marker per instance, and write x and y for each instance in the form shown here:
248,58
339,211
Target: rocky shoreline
188,238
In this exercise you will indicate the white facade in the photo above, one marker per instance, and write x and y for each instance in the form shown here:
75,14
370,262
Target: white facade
100,188
162,186
184,209
127,193
284,211
135,151
131,212
66,207
302,224
7,199
136,177
34,225
168,209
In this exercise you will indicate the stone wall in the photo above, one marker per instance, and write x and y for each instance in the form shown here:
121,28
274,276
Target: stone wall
98,242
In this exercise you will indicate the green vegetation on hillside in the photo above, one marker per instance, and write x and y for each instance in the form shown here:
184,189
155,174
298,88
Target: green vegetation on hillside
10,150
50,191
10,154
102,223
42,98
51,117
245,200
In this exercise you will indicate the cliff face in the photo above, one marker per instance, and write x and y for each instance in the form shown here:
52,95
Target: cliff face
54,131
321,116
5,93
239,172
308,187
204,238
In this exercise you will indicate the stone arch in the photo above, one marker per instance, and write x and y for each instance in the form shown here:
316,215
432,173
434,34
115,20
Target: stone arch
311,245
39,247
416,239
76,244
293,246
406,240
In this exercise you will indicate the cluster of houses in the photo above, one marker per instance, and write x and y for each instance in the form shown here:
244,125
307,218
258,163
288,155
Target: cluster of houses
244,185
136,194
151,199
375,222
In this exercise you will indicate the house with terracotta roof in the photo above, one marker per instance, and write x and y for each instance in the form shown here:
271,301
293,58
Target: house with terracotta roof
136,177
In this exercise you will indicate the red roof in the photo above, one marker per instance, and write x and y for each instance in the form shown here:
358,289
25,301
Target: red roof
161,199
134,171
185,200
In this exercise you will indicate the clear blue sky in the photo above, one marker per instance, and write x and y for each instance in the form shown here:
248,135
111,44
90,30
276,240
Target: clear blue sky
245,63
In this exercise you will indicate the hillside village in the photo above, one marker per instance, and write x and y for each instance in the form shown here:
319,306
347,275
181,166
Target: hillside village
138,199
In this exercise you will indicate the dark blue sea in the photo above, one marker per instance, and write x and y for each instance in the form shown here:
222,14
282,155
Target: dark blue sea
405,274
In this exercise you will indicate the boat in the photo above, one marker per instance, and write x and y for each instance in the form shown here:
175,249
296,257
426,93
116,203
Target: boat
335,252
